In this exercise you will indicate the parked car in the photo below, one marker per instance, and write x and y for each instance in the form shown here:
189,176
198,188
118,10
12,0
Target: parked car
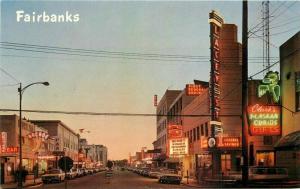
89,171
170,179
53,175
80,172
71,174
154,174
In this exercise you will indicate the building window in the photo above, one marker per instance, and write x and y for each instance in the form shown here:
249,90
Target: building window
202,130
191,135
198,133
194,134
297,89
206,129
268,140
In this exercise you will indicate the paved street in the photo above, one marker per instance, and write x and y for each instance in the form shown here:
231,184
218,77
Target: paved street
120,180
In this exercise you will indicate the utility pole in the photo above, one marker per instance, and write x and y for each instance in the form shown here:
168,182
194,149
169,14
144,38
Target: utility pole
245,170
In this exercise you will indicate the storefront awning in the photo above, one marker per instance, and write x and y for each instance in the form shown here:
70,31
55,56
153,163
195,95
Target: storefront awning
289,142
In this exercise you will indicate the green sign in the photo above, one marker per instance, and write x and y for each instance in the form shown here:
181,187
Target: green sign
270,85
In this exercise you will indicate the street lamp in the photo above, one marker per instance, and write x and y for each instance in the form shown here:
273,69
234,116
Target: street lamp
21,91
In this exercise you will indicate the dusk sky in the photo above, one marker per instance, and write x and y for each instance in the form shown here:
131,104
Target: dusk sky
120,85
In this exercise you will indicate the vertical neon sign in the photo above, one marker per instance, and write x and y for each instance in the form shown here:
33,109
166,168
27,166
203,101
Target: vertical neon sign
215,27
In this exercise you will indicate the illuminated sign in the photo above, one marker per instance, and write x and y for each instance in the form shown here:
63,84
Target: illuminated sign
194,90
229,142
3,140
270,85
264,120
179,146
204,143
175,131
10,150
214,88
38,134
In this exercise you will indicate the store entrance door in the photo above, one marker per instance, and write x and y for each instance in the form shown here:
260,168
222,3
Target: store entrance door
2,173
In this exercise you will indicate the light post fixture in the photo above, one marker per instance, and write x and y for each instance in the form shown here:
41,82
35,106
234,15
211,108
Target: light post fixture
21,91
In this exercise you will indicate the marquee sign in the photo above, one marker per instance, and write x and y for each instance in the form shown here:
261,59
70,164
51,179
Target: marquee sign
215,28
179,146
264,120
270,85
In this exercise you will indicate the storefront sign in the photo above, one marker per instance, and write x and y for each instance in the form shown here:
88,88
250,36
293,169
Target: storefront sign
194,90
204,142
270,85
215,27
264,120
179,146
38,134
10,150
3,140
229,142
175,131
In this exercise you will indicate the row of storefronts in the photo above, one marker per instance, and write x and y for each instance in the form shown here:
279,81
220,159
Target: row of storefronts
43,142
208,114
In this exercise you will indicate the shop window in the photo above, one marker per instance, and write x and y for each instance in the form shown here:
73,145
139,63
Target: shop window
297,90
225,163
265,158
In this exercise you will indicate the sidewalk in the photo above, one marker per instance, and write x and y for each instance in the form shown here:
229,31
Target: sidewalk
217,183
192,182
26,184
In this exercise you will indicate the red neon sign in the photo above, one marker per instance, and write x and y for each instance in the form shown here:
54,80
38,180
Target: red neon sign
10,150
264,120
175,131
229,142
194,90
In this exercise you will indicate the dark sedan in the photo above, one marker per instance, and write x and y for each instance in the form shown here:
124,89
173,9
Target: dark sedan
170,179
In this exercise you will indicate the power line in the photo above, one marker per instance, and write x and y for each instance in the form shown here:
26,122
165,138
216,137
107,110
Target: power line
112,114
253,61
80,50
10,75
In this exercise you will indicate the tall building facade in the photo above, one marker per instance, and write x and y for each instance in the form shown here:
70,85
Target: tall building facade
37,146
162,121
288,147
66,139
215,139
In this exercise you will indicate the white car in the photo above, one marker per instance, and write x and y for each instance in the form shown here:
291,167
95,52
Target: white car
71,174
53,175
154,174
